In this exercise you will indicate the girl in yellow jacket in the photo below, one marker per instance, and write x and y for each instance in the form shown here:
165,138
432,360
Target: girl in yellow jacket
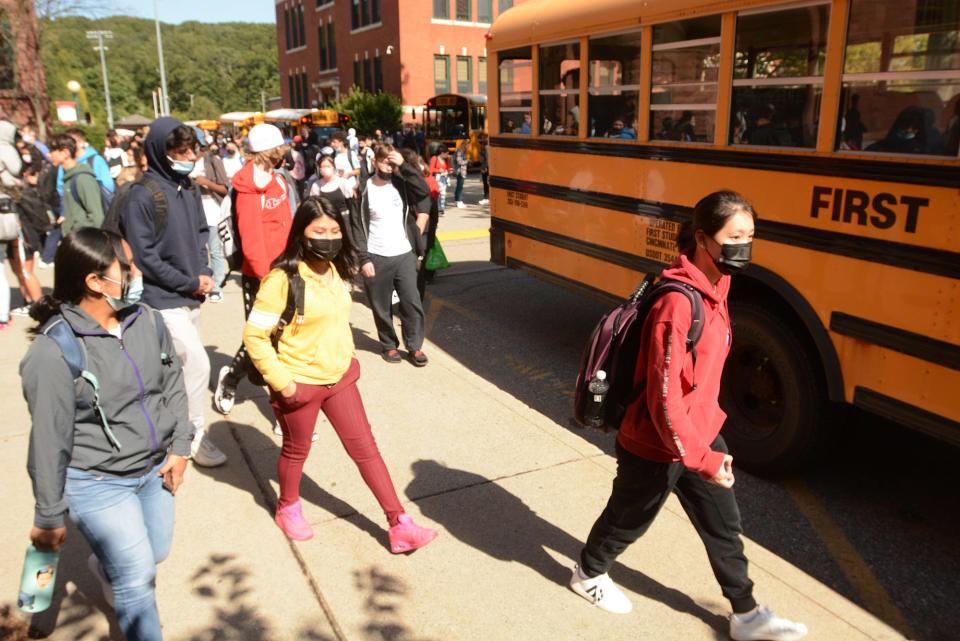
313,367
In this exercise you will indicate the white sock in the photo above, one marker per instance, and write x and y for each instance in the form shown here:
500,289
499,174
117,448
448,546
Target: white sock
581,575
747,617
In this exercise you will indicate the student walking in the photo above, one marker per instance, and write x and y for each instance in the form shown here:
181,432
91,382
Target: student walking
112,457
389,232
211,177
669,439
460,171
82,203
440,170
170,248
311,367
264,210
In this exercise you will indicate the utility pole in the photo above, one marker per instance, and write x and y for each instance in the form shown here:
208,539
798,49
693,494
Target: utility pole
165,105
263,101
99,36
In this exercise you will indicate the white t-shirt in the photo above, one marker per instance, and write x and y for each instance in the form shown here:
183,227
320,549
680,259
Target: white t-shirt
211,209
232,165
388,233
342,162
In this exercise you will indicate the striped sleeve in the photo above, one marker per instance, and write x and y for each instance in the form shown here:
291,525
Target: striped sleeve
263,319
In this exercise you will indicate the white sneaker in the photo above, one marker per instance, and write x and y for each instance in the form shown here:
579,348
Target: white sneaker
763,625
601,591
460,204
224,396
279,432
483,201
204,453
97,570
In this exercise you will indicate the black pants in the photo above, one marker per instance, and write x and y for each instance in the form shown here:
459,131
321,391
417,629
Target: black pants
425,275
396,273
485,177
241,365
640,490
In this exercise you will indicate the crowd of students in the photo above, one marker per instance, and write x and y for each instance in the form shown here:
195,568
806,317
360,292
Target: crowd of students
116,379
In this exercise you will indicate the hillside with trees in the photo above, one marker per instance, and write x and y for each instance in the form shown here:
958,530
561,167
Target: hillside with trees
211,68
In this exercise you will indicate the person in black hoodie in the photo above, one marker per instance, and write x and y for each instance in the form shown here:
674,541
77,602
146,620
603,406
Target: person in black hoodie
170,248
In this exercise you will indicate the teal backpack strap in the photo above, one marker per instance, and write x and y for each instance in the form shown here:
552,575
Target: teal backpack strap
156,319
74,353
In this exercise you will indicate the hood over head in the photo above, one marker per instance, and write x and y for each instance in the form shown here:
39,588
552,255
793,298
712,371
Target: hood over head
8,132
155,146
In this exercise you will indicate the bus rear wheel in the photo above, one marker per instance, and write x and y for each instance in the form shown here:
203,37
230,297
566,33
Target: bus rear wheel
772,393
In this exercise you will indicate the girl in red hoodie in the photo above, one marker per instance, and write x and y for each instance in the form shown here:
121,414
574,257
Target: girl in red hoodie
265,203
670,440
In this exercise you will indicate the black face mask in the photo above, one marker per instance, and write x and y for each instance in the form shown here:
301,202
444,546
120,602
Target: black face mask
324,248
734,257
384,175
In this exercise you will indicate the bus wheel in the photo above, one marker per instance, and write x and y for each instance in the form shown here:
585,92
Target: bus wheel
771,391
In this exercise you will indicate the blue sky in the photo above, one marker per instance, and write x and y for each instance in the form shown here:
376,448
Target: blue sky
177,11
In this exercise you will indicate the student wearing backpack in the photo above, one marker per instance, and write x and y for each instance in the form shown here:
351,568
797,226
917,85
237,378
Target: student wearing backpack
82,202
669,440
263,206
88,155
115,463
312,366
163,220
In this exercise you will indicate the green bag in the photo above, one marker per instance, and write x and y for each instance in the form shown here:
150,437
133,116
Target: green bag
436,259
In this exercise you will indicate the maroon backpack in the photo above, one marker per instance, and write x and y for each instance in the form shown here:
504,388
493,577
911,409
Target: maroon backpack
614,347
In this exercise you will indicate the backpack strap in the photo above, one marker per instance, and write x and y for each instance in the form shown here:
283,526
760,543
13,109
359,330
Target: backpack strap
296,302
159,203
157,321
74,353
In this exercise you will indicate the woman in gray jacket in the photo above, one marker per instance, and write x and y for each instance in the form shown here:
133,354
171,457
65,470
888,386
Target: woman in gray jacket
110,433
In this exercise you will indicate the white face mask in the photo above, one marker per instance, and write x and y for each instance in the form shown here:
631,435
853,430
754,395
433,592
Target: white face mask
326,171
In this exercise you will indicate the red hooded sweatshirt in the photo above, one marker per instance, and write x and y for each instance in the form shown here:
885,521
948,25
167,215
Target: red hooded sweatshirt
263,220
678,416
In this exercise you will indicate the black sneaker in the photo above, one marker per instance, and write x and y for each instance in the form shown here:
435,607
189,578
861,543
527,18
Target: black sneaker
225,395
391,356
418,358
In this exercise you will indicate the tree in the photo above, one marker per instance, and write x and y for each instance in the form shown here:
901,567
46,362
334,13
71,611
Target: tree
371,111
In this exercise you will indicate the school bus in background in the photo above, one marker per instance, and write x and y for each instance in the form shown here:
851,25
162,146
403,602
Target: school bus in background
238,123
838,119
450,118
323,122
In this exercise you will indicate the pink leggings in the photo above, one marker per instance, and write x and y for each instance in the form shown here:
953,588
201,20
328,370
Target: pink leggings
344,408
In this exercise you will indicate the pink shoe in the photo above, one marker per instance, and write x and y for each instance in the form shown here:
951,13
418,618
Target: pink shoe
407,536
291,521
4,326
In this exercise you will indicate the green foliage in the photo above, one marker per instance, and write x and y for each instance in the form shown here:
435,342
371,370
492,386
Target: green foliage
371,111
223,66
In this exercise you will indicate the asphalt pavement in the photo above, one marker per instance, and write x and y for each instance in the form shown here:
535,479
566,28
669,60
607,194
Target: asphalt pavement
480,445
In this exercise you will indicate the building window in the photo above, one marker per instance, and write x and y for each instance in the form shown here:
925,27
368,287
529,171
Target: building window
484,10
7,54
901,80
378,74
323,3
778,76
355,14
482,75
364,13
306,90
464,74
515,74
291,90
683,94
441,9
367,75
374,11
303,29
560,89
322,40
286,26
463,10
331,47
441,74
356,74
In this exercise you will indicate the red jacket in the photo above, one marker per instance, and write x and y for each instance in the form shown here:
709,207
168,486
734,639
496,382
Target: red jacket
676,420
263,220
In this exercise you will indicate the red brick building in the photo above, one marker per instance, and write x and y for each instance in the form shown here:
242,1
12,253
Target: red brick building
430,47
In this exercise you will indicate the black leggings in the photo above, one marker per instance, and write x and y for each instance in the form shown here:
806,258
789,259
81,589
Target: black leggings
241,365
640,490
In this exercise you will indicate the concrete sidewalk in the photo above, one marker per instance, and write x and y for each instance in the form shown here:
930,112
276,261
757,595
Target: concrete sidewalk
513,493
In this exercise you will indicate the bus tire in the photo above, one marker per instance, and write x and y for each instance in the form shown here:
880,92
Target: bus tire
772,391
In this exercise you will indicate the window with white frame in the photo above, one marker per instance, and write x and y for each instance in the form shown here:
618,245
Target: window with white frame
515,74
560,89
614,85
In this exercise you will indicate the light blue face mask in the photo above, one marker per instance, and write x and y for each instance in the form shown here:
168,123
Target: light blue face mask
181,166
131,296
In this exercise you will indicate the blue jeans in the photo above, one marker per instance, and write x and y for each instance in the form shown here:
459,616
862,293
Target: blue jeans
217,262
128,521
50,244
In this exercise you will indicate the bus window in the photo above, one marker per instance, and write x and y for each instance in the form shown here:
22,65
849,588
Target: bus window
683,89
778,76
516,90
560,89
901,85
614,85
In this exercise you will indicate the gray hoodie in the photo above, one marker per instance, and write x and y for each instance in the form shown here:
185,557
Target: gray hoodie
142,396
10,162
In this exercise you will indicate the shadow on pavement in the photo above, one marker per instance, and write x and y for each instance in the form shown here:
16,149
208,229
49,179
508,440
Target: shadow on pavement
528,536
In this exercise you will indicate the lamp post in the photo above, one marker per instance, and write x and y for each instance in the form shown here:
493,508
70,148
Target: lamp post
99,36
165,104
74,88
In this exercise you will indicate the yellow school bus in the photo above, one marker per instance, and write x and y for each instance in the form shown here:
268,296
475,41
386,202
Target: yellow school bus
451,118
838,119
